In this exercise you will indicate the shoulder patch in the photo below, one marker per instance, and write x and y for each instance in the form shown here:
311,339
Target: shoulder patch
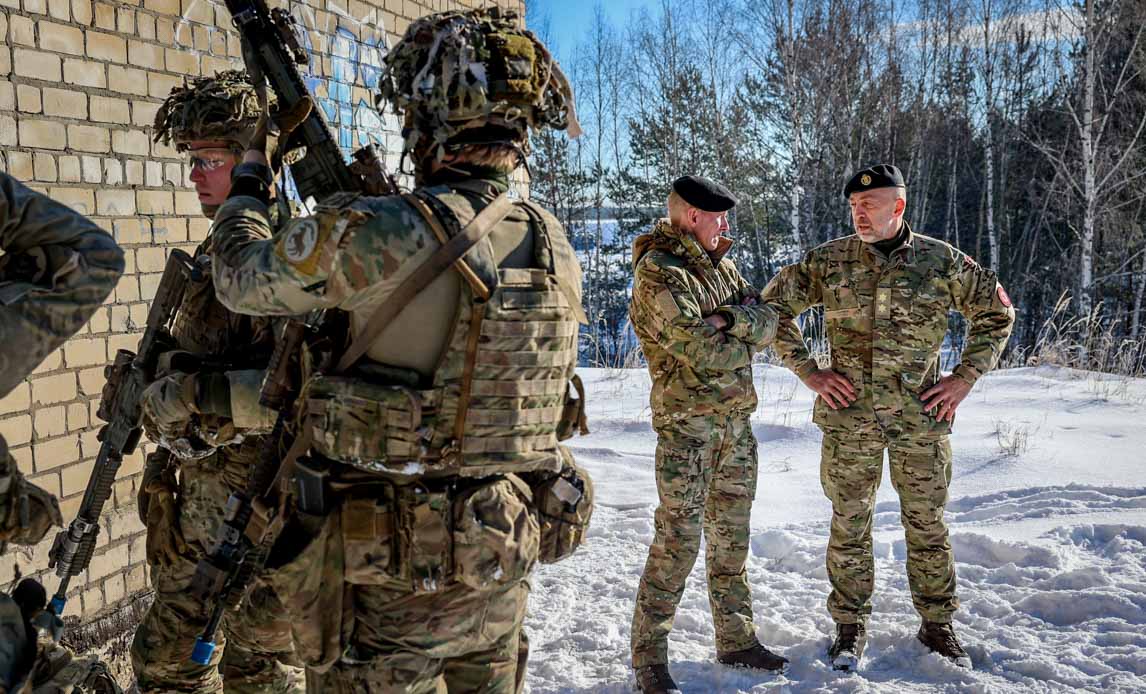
300,241
303,243
667,304
1003,298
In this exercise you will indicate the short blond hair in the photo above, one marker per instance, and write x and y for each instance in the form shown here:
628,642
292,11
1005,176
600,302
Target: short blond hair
676,208
501,156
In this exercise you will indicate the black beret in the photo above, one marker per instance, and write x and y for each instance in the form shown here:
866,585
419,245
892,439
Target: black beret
704,194
878,176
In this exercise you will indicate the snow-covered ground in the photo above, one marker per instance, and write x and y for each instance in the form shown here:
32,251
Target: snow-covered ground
1049,536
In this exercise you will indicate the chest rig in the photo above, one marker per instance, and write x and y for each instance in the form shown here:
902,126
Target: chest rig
498,393
218,339
209,330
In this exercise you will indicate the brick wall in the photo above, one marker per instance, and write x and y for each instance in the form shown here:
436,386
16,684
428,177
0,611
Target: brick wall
80,81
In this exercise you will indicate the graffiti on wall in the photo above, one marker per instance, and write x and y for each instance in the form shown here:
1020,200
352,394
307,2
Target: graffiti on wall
345,64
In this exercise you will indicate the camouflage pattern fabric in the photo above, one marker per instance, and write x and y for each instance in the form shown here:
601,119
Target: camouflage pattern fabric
55,669
457,651
254,646
26,511
706,453
360,622
360,629
886,318
696,369
257,655
57,269
224,107
706,478
850,470
455,75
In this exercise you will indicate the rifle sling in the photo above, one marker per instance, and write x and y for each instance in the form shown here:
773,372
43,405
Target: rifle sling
449,254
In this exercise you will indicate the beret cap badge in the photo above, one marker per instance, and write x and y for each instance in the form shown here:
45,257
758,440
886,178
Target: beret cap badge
878,176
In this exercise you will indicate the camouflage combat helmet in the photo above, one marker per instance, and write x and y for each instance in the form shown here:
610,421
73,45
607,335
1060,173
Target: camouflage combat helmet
223,107
474,77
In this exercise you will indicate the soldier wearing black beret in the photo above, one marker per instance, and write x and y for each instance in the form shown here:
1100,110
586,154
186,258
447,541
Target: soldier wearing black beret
699,323
886,292
704,194
873,177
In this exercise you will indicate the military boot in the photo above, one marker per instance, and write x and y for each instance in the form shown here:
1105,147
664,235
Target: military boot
655,679
939,637
847,649
756,657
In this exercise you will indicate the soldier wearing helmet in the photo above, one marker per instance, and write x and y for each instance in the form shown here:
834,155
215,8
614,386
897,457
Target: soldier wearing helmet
56,269
434,440
205,417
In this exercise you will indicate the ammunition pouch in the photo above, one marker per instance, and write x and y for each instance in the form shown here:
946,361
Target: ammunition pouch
564,504
366,425
419,538
416,538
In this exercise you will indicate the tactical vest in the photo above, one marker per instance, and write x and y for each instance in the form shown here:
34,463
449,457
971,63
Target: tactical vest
224,340
498,393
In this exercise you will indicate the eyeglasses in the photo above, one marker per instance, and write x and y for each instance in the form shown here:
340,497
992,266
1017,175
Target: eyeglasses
211,162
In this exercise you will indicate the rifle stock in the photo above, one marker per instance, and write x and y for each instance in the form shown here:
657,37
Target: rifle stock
273,46
127,377
251,521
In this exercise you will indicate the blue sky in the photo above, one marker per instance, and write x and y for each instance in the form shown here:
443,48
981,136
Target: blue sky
569,20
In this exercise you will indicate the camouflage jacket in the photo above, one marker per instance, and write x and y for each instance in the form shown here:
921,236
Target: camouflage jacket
350,255
26,511
355,252
885,320
56,269
696,369
238,345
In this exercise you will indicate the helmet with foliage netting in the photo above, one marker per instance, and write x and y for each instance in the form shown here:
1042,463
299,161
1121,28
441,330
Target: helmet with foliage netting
473,78
224,107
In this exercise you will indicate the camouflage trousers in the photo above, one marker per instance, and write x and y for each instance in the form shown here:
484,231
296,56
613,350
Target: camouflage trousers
851,467
415,593
254,652
706,479
457,640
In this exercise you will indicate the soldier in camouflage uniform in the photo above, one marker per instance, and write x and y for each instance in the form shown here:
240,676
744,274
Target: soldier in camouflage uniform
699,323
886,292
56,269
435,477
205,419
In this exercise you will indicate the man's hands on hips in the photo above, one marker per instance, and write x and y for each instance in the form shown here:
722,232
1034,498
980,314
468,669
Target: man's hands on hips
835,388
945,395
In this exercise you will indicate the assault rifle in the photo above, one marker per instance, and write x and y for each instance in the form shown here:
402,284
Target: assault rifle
272,52
127,377
252,522
253,518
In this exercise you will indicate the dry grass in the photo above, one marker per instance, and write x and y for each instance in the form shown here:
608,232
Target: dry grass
1013,439
1089,343
1092,345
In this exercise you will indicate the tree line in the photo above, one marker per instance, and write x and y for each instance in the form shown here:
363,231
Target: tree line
1020,127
